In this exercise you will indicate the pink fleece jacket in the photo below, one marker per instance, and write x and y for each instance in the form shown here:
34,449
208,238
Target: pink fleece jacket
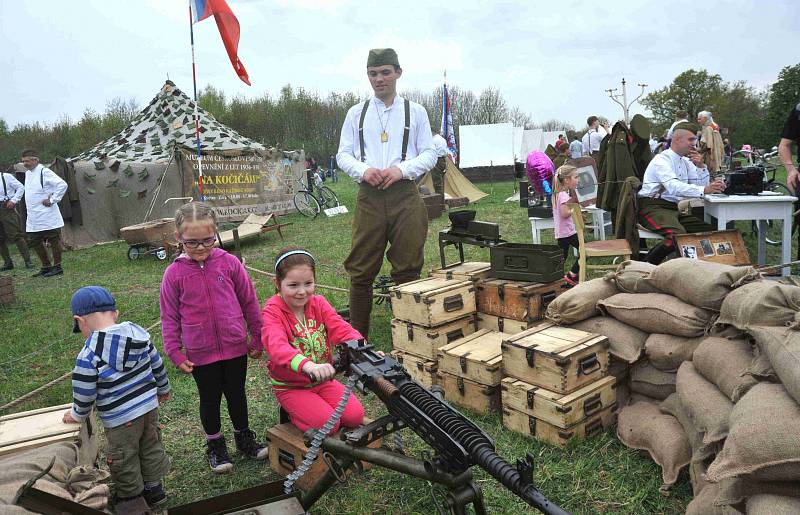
204,308
290,345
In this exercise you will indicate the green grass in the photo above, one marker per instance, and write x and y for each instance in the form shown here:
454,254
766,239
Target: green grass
593,476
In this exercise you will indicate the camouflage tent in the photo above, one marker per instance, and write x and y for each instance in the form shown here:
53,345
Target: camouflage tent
148,169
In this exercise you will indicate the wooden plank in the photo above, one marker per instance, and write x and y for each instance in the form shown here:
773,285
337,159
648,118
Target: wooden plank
35,428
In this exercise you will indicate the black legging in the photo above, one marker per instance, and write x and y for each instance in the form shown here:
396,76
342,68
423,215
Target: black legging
565,244
218,378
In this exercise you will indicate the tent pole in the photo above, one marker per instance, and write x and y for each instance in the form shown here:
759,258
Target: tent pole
196,119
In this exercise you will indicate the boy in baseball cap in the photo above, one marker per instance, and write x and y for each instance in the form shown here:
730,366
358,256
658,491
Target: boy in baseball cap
119,371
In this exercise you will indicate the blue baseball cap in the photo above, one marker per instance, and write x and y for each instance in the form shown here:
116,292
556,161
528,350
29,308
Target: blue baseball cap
91,299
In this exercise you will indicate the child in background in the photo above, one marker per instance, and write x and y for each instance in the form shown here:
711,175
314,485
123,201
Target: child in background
565,181
299,332
208,305
119,370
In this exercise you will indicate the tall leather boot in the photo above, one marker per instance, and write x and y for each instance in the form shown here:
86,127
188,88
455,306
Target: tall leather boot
659,253
361,307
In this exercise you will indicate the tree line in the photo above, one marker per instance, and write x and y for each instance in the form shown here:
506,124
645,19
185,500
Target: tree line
298,118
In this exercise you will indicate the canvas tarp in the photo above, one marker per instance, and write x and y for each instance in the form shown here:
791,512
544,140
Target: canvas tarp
537,139
149,169
455,184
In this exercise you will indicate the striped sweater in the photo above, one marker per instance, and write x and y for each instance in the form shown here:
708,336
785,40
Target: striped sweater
121,372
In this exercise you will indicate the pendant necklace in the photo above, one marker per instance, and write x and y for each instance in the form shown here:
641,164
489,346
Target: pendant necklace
384,134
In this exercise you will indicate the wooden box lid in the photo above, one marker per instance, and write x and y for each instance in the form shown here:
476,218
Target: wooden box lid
428,286
562,398
482,346
552,339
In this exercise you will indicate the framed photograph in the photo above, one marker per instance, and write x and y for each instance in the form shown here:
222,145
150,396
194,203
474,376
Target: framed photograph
724,248
708,248
689,251
587,180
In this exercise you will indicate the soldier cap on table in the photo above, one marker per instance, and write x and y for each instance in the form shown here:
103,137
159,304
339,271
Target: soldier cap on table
687,126
381,57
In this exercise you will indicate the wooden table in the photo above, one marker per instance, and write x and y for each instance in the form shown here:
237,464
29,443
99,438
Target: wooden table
727,208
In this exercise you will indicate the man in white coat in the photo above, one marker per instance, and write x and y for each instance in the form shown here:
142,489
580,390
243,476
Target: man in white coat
43,191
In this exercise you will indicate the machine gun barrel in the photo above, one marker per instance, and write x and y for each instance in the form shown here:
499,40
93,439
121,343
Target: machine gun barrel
459,443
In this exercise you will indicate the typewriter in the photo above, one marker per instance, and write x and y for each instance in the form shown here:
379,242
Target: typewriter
745,181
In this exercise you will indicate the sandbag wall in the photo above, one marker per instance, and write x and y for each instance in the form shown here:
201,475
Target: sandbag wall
709,357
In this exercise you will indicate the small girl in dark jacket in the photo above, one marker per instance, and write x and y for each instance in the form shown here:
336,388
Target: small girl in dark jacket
208,307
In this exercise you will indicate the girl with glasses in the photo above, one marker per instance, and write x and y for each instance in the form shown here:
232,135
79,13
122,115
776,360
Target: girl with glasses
208,308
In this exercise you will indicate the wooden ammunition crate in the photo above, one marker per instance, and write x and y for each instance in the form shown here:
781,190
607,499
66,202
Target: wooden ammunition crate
456,202
531,426
515,299
6,289
557,358
434,204
433,301
558,409
502,325
425,341
287,450
421,370
469,394
476,357
26,430
467,271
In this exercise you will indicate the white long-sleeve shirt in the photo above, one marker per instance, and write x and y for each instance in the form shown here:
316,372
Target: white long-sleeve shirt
11,190
673,178
42,183
420,155
440,145
591,141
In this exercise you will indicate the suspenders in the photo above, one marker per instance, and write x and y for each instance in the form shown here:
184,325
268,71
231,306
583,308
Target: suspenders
406,129
5,189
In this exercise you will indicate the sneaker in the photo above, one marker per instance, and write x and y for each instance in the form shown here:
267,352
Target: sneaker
155,495
7,266
42,271
246,444
54,271
218,458
571,279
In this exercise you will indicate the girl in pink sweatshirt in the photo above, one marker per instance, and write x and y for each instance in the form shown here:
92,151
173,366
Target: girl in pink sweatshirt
208,307
299,332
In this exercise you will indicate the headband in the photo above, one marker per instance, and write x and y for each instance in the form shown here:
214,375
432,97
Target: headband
291,253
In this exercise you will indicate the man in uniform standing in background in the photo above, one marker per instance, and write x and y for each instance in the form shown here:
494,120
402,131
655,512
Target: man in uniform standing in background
10,230
591,140
385,145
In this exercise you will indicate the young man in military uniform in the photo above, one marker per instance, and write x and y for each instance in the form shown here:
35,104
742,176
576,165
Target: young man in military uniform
43,191
385,145
673,175
10,230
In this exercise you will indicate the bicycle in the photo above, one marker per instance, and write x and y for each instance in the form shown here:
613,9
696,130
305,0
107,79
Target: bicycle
773,228
310,204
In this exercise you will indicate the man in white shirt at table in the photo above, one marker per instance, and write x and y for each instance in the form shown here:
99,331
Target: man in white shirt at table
385,146
676,174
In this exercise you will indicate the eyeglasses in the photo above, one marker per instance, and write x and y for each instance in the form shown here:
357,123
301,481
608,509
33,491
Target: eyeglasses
193,244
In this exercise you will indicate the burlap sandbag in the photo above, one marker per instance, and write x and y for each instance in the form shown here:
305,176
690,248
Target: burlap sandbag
761,303
700,283
760,368
650,381
703,504
635,397
767,504
625,342
618,368
672,406
736,491
643,426
667,352
782,348
580,302
623,394
764,439
725,362
707,407
697,476
657,313
633,277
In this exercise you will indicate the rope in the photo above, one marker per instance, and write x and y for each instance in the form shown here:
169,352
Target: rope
770,267
158,189
324,287
45,386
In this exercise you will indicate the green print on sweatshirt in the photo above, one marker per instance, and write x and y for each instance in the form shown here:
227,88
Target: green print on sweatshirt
311,341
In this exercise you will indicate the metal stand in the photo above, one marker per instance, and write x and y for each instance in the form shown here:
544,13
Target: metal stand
458,241
347,452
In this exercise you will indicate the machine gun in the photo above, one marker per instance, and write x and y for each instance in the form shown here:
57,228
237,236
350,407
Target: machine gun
459,444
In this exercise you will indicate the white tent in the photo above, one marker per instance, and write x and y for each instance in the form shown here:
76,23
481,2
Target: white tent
537,139
485,145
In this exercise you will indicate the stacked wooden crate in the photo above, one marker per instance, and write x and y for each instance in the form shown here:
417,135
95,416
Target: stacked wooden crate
470,370
428,314
558,386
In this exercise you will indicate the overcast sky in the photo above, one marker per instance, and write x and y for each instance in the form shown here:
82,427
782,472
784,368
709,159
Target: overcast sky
552,59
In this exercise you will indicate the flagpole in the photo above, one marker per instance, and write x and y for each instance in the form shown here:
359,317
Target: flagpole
196,119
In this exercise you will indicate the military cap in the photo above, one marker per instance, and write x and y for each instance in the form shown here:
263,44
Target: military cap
381,57
687,126
640,126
